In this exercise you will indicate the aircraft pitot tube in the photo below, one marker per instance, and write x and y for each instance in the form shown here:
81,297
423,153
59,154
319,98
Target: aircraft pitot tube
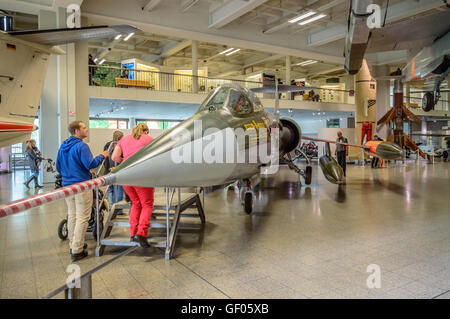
41,199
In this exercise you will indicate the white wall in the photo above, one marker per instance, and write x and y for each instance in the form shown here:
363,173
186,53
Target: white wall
331,134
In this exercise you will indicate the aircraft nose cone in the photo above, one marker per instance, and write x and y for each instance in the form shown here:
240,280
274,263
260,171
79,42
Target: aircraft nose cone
388,150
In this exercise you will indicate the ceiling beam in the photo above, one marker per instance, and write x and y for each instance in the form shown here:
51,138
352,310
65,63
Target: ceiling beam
230,11
170,49
252,62
150,5
395,12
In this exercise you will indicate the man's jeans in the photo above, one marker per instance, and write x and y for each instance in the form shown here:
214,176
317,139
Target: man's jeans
112,195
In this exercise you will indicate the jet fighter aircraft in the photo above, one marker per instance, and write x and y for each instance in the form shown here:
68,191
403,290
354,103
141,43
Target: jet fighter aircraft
177,157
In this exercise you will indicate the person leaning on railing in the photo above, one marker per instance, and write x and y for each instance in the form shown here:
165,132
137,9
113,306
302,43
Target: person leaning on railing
141,197
74,162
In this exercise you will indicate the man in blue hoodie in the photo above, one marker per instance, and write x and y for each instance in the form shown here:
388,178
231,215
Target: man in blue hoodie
73,163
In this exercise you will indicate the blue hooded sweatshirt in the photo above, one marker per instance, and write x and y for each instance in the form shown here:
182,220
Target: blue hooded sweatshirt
75,160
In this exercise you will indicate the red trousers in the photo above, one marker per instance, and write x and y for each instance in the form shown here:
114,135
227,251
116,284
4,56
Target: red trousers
141,209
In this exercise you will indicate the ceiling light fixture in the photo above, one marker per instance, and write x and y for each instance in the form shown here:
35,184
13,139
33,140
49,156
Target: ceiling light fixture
95,60
302,16
227,50
307,62
117,37
101,62
232,52
317,17
128,36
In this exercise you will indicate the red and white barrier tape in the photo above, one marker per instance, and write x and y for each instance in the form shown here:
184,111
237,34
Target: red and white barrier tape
38,200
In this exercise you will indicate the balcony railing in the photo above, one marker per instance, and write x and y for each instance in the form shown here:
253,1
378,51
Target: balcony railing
160,81
174,82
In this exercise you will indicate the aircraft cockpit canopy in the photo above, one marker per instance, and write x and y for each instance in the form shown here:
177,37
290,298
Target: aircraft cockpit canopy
238,100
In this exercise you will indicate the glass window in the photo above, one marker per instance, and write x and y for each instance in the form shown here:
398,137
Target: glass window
109,123
238,103
215,99
98,123
333,123
123,125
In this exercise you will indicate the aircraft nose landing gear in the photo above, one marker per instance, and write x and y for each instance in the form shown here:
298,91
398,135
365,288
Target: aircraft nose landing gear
247,197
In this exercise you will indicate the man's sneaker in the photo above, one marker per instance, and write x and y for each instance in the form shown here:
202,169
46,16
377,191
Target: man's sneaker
142,241
79,256
84,248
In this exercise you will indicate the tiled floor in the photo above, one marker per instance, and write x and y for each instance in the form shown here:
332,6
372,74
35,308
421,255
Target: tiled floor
308,242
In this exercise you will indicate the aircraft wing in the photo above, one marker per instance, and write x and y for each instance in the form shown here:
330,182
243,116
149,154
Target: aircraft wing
282,88
63,36
330,141
410,33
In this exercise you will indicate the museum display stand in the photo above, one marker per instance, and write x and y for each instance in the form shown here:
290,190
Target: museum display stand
168,217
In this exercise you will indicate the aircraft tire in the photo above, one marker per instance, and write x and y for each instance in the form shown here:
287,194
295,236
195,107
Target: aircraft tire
308,174
248,202
62,230
428,102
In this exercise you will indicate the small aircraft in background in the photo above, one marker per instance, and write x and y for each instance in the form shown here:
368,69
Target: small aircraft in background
429,31
24,59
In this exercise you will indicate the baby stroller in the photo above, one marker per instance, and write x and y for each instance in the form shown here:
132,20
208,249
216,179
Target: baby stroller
92,224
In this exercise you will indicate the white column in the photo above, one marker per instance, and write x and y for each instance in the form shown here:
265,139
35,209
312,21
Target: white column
446,96
82,83
194,66
48,114
288,75
383,99
288,70
131,122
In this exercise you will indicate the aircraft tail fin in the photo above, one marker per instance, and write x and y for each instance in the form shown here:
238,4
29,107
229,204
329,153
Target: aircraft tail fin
24,58
22,73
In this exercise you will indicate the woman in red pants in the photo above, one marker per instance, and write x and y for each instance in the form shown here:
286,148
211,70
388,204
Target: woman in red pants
141,197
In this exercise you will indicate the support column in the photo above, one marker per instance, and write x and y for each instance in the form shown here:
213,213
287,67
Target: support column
82,83
365,91
288,70
48,113
194,66
446,96
131,122
383,99
288,75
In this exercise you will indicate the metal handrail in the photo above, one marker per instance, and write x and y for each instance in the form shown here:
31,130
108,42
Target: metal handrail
85,289
173,74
